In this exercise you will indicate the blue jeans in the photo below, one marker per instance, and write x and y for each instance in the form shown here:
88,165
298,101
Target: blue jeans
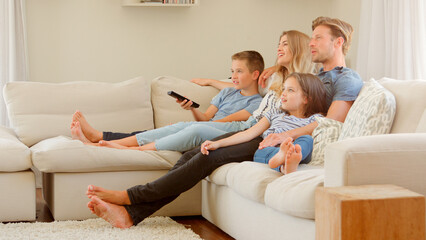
184,136
306,142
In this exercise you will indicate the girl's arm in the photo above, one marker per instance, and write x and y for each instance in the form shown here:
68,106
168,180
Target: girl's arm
241,115
212,82
238,138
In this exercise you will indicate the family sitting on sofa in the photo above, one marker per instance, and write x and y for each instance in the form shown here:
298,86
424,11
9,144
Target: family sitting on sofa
220,132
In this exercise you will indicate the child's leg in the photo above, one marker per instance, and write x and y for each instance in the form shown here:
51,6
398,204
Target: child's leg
306,142
188,138
154,134
265,155
278,159
298,152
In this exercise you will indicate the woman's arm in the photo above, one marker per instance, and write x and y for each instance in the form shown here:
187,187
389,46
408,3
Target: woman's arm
212,82
238,138
265,75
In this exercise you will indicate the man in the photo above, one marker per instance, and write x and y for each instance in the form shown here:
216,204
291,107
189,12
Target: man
330,42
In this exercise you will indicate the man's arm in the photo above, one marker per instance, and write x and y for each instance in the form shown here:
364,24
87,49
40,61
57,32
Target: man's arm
337,111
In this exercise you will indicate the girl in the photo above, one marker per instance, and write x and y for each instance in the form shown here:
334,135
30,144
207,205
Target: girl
303,98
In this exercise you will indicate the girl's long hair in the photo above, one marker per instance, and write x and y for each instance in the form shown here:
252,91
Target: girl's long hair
314,90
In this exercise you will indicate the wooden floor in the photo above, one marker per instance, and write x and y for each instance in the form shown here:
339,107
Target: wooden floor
198,224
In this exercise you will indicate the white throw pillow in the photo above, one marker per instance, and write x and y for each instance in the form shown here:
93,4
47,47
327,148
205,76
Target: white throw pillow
372,112
327,131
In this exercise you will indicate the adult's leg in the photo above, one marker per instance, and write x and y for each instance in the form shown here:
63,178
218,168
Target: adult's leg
108,136
187,175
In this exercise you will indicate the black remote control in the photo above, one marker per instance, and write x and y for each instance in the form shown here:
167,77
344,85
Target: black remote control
181,98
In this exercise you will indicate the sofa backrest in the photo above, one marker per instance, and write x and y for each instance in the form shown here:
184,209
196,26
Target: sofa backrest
410,98
42,110
166,110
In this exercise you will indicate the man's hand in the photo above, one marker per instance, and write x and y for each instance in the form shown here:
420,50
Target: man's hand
265,75
273,140
208,145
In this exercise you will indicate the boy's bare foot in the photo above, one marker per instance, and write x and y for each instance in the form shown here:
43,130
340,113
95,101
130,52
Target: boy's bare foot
294,156
279,158
115,197
77,134
116,215
91,134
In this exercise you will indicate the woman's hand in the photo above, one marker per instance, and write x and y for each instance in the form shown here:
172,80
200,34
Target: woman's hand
201,81
265,75
209,145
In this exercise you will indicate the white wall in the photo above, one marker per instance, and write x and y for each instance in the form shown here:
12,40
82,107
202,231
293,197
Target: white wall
99,40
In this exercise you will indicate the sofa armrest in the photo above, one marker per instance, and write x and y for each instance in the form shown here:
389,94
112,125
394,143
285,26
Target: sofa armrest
14,155
398,159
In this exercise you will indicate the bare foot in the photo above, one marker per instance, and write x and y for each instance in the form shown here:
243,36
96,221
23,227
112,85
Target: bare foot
77,134
92,134
116,215
294,156
279,158
115,197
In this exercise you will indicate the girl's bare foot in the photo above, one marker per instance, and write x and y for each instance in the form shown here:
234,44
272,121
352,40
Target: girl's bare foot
115,197
294,156
116,215
279,158
91,134
77,134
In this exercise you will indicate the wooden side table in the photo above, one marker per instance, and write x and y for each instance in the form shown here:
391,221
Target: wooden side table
369,212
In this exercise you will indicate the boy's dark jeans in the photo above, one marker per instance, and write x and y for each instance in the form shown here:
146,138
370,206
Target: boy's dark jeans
191,168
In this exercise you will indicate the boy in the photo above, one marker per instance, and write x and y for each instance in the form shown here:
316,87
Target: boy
230,105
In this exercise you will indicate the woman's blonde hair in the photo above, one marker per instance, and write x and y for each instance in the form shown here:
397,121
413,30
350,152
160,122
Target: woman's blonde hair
298,44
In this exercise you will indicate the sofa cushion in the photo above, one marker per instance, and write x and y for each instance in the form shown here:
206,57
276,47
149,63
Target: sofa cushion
42,110
372,112
327,131
165,106
410,103
218,176
14,155
249,179
294,193
62,154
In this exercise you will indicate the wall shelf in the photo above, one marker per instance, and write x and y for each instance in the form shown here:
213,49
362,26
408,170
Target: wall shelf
138,3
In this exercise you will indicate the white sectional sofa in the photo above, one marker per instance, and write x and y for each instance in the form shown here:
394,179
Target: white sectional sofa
247,200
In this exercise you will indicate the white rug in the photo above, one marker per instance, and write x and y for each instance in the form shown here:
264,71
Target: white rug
156,228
